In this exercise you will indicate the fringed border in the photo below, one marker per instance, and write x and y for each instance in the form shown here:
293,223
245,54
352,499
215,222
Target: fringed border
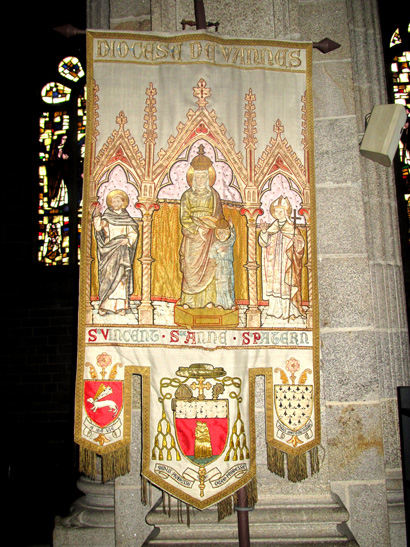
295,465
276,461
166,503
226,506
113,464
87,462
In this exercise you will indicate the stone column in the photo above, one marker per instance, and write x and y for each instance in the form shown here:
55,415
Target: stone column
363,329
91,519
98,14
383,244
130,526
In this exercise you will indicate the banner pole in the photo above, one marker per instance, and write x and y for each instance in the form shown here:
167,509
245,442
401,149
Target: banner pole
200,19
243,521
241,508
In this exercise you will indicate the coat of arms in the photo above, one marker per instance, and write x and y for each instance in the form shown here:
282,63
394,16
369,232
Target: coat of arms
293,405
203,429
103,401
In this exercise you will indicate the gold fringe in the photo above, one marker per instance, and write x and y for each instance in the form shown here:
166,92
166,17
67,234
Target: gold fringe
87,462
252,492
227,505
314,460
276,461
115,464
188,516
297,467
225,508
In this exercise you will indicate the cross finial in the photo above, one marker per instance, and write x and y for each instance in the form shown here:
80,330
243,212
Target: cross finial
278,128
201,386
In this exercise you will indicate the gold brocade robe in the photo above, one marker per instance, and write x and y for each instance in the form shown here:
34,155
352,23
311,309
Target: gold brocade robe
198,269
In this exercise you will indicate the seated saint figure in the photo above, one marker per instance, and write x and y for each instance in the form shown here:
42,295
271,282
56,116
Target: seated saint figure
282,255
200,209
116,233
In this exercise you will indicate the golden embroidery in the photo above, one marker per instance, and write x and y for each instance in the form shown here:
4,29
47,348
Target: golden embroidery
203,447
198,279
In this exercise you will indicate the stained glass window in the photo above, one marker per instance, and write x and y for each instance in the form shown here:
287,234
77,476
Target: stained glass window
61,154
71,68
54,93
400,72
400,69
395,39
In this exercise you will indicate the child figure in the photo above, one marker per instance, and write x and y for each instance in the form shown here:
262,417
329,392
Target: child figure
222,252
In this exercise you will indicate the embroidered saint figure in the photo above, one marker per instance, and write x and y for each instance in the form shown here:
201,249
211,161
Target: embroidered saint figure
200,209
282,255
117,237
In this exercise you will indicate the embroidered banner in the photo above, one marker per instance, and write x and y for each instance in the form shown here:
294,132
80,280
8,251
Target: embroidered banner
198,259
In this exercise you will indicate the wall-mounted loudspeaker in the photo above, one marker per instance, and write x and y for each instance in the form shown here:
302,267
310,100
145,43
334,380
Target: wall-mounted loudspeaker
383,133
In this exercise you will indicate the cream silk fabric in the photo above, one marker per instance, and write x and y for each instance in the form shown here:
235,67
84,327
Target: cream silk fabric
197,257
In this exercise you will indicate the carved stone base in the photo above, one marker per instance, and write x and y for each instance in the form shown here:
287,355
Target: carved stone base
314,521
91,519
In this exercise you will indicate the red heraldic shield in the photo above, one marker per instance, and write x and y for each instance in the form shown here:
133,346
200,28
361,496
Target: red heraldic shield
103,401
202,429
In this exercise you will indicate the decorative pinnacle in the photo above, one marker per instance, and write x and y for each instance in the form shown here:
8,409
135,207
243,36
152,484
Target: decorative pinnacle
150,117
202,93
121,119
250,139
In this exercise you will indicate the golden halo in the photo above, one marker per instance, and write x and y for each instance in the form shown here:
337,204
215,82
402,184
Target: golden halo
120,193
211,175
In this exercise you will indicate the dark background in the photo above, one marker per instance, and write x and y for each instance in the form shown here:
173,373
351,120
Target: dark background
40,303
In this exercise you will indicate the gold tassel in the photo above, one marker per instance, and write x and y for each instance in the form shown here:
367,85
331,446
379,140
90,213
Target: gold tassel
115,464
297,467
188,516
314,461
225,508
276,461
87,462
